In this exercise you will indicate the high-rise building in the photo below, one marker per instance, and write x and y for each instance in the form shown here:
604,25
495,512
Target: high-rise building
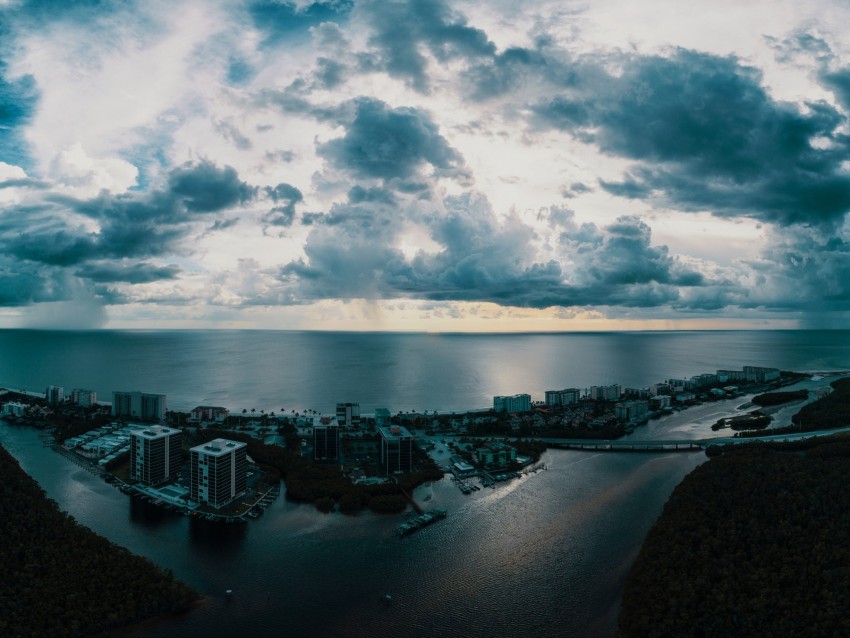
139,405
54,394
512,404
348,415
606,392
326,442
84,398
155,455
218,471
396,449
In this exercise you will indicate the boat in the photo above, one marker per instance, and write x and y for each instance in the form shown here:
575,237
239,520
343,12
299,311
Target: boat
414,524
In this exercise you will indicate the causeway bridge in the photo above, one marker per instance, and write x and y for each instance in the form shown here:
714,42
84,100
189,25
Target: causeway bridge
680,445
597,445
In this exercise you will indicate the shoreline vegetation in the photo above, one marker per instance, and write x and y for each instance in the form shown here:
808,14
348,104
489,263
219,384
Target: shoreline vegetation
62,579
754,541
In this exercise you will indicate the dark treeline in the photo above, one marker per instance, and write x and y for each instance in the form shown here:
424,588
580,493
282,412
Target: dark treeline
831,411
61,579
756,542
778,398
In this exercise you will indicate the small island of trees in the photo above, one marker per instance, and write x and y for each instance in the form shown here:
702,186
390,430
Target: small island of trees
62,579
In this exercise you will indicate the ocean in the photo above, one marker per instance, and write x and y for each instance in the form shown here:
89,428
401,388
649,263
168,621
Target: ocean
543,555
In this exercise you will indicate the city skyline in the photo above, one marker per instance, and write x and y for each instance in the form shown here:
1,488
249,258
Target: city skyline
457,166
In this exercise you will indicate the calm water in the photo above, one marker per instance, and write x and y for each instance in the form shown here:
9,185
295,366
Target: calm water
545,555
298,370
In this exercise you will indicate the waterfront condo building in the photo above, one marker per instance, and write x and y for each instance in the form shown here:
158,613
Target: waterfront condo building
155,455
326,442
218,472
396,449
348,415
139,405
54,395
84,398
512,404
567,396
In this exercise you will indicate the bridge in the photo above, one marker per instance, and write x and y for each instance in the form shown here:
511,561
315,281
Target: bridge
681,445
625,446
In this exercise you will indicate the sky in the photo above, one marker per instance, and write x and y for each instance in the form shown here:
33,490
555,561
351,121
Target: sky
424,165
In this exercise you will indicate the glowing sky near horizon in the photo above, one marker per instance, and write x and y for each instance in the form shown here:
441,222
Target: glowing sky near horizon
424,165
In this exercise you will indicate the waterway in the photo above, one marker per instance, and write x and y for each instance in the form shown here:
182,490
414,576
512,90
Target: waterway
542,555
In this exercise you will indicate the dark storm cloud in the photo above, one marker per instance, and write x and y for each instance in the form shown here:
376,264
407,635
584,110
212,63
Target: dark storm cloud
205,188
136,273
18,99
708,137
129,226
384,142
808,269
402,30
350,254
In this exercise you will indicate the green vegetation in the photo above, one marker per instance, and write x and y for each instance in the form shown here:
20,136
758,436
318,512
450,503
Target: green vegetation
62,579
778,398
325,485
755,542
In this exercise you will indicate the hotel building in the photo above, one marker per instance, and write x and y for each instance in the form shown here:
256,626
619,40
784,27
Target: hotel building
218,471
155,455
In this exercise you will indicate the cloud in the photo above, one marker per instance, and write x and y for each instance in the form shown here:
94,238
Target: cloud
385,143
350,253
707,136
205,188
402,30
286,196
136,273
18,99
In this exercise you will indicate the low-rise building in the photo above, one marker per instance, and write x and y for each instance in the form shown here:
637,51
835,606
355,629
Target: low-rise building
208,413
13,408
660,402
494,454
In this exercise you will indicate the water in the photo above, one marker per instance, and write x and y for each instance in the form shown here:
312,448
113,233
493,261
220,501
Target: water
543,555
309,370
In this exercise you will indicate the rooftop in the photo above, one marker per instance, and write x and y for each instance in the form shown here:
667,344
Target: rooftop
218,447
394,432
156,432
